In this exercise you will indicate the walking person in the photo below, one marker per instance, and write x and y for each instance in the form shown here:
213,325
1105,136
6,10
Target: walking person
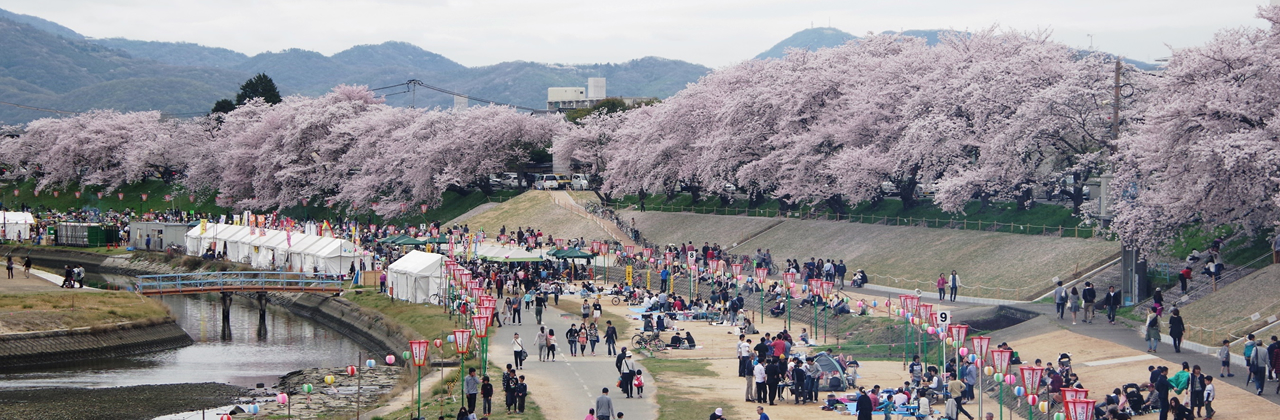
1113,304
522,391
596,311
551,345
628,371
26,266
942,287
957,391
955,284
1153,330
541,342
1258,363
9,266
517,348
604,405
539,303
610,338
515,311
1224,356
1176,328
1074,304
593,337
571,339
1090,298
1060,300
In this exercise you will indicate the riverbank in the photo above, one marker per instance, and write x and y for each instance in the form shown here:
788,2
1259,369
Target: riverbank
142,402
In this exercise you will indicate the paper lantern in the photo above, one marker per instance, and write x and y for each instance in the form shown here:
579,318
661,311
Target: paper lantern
873,304
448,338
932,331
972,357
225,417
282,398
1044,406
948,341
391,359
860,305
351,370
964,351
988,370
997,377
370,363
1019,391
1010,379
978,362
406,355
253,409
1059,416
328,379
1033,400
307,388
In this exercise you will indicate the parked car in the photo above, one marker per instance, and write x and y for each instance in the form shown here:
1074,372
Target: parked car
580,182
549,181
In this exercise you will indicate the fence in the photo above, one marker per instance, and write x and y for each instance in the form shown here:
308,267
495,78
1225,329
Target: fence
962,224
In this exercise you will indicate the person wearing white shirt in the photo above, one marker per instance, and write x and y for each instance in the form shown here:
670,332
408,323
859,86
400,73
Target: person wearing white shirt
761,389
744,356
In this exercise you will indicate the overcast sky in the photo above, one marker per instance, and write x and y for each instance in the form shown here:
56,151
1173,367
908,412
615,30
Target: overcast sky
715,33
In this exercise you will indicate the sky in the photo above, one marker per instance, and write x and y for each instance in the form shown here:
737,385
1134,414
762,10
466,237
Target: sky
715,33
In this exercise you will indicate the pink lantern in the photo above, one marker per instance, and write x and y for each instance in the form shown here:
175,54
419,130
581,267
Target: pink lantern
391,359
191,198
423,207
1001,358
225,417
1010,379
980,344
1080,409
282,398
420,350
964,351
351,370
120,196
930,330
461,340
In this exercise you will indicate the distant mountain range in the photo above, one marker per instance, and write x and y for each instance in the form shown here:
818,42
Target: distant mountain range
47,65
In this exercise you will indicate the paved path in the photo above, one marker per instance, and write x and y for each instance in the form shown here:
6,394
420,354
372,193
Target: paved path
1123,333
569,386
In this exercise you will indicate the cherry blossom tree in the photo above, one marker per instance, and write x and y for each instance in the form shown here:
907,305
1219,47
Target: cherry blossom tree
1208,153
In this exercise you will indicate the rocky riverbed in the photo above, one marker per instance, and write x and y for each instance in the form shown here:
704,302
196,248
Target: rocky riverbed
324,399
141,402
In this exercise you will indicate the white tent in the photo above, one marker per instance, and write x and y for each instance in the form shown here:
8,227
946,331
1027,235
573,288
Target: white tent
302,251
416,276
17,225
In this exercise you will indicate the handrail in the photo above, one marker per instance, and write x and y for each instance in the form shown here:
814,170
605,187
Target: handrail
239,280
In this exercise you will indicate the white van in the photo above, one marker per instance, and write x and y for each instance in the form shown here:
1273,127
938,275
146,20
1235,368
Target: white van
547,182
580,182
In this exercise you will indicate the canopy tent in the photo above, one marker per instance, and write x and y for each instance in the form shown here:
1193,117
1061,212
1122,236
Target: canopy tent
505,254
570,253
17,225
391,239
437,239
301,251
416,276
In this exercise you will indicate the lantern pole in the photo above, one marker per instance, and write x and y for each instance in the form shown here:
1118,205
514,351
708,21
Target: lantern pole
359,376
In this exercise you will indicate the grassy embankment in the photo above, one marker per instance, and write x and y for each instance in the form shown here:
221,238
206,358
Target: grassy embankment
453,203
42,311
677,400
431,322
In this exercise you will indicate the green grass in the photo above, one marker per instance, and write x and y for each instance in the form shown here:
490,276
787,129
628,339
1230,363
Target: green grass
453,203
671,407
681,366
1004,216
43,311
1236,251
429,322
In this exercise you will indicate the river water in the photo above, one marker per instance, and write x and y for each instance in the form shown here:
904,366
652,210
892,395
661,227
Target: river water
246,359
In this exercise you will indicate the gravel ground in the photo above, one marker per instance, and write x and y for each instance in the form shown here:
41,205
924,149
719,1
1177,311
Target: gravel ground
132,402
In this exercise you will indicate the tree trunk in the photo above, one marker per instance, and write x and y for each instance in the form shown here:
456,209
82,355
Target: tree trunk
907,191
1026,199
696,193
485,186
836,204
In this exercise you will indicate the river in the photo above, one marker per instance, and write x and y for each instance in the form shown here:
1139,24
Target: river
246,359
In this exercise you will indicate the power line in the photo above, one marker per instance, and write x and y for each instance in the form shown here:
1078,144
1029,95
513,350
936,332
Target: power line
36,108
415,82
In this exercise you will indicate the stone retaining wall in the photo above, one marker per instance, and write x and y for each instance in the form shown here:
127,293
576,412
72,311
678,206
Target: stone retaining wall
20,350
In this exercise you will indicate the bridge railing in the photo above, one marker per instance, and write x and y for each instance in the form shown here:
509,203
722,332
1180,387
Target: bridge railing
241,280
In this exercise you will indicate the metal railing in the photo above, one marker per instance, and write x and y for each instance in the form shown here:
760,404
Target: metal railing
219,281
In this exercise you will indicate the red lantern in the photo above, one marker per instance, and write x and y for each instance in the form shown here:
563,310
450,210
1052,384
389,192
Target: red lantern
1069,394
99,195
926,313
461,340
958,333
648,253
629,249
1031,378
15,193
225,417
761,273
55,194
1001,357
424,207
980,344
36,192
789,278
481,324
77,194
1080,409
420,350
351,370
120,196
191,198
737,269
559,243
827,286
439,343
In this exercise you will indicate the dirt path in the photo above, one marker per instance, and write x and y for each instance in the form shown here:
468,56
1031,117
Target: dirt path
563,199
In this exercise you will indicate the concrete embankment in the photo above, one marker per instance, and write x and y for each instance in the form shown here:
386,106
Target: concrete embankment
59,347
369,329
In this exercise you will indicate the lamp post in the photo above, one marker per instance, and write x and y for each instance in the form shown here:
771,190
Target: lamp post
1079,409
789,279
761,273
481,325
957,332
980,344
1031,383
926,317
461,345
826,291
419,349
1000,361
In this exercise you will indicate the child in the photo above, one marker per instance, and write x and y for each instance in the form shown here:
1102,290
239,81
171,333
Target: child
486,392
591,414
1209,394
639,383
1224,354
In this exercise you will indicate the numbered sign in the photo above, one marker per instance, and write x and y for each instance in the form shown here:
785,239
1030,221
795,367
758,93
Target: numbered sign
942,319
